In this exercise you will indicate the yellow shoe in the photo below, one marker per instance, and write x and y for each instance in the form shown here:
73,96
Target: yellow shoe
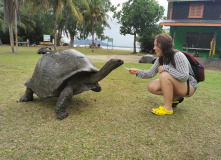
157,108
161,111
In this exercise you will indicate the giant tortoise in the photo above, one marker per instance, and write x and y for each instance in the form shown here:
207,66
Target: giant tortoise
44,50
65,73
148,59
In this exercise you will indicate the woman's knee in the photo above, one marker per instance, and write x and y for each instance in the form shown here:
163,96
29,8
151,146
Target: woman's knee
152,87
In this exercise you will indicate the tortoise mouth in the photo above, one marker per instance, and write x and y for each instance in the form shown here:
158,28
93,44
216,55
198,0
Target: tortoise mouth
120,61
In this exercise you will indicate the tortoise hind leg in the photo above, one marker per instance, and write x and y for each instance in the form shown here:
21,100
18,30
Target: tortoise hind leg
28,96
63,102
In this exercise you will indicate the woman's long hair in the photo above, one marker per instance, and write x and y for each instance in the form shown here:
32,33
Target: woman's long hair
165,42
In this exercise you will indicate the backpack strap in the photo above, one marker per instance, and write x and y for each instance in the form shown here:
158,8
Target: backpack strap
188,87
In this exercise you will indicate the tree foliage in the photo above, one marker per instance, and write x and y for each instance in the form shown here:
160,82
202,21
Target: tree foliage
146,39
79,18
3,26
139,17
36,25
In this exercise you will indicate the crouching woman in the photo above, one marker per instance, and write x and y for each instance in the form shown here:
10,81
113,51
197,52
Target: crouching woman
175,81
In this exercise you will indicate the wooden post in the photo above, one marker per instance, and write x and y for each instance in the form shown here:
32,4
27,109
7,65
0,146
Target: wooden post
174,35
214,42
16,28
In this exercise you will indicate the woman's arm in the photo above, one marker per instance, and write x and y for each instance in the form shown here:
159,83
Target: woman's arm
181,69
151,72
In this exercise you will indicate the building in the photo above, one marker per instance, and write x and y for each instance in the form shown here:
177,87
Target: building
195,26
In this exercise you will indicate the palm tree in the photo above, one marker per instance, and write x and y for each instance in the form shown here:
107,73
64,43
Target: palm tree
71,29
58,6
60,27
25,21
73,26
11,13
97,14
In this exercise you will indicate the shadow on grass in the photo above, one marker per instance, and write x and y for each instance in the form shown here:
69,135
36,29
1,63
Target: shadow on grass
46,107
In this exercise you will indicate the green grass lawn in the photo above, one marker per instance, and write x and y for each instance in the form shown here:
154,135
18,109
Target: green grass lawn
116,123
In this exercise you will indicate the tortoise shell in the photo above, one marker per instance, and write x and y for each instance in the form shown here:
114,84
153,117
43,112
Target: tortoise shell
54,69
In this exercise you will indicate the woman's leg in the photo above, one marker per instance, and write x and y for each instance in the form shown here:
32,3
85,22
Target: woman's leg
170,88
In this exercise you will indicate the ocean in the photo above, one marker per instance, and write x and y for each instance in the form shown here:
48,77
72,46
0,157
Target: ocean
119,48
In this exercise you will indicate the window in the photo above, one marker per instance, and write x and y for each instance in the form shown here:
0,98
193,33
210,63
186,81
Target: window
196,10
198,40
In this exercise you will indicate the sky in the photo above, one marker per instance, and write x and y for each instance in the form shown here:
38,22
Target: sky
114,32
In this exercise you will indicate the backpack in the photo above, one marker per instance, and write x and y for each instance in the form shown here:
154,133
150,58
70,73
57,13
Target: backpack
197,68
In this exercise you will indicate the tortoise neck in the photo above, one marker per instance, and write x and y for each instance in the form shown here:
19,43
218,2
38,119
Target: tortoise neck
106,69
102,73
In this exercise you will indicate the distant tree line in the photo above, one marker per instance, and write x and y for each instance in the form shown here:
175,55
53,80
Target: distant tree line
31,19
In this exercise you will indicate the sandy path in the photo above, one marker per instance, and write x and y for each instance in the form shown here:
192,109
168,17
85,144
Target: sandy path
125,58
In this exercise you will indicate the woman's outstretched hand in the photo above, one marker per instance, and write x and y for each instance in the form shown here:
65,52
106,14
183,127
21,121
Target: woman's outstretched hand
133,71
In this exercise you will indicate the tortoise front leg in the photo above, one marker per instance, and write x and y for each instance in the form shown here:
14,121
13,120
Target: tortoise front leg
63,102
28,96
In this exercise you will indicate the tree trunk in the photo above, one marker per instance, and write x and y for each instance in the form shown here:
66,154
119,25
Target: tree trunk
134,43
55,26
59,37
0,41
71,41
11,38
16,31
92,33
